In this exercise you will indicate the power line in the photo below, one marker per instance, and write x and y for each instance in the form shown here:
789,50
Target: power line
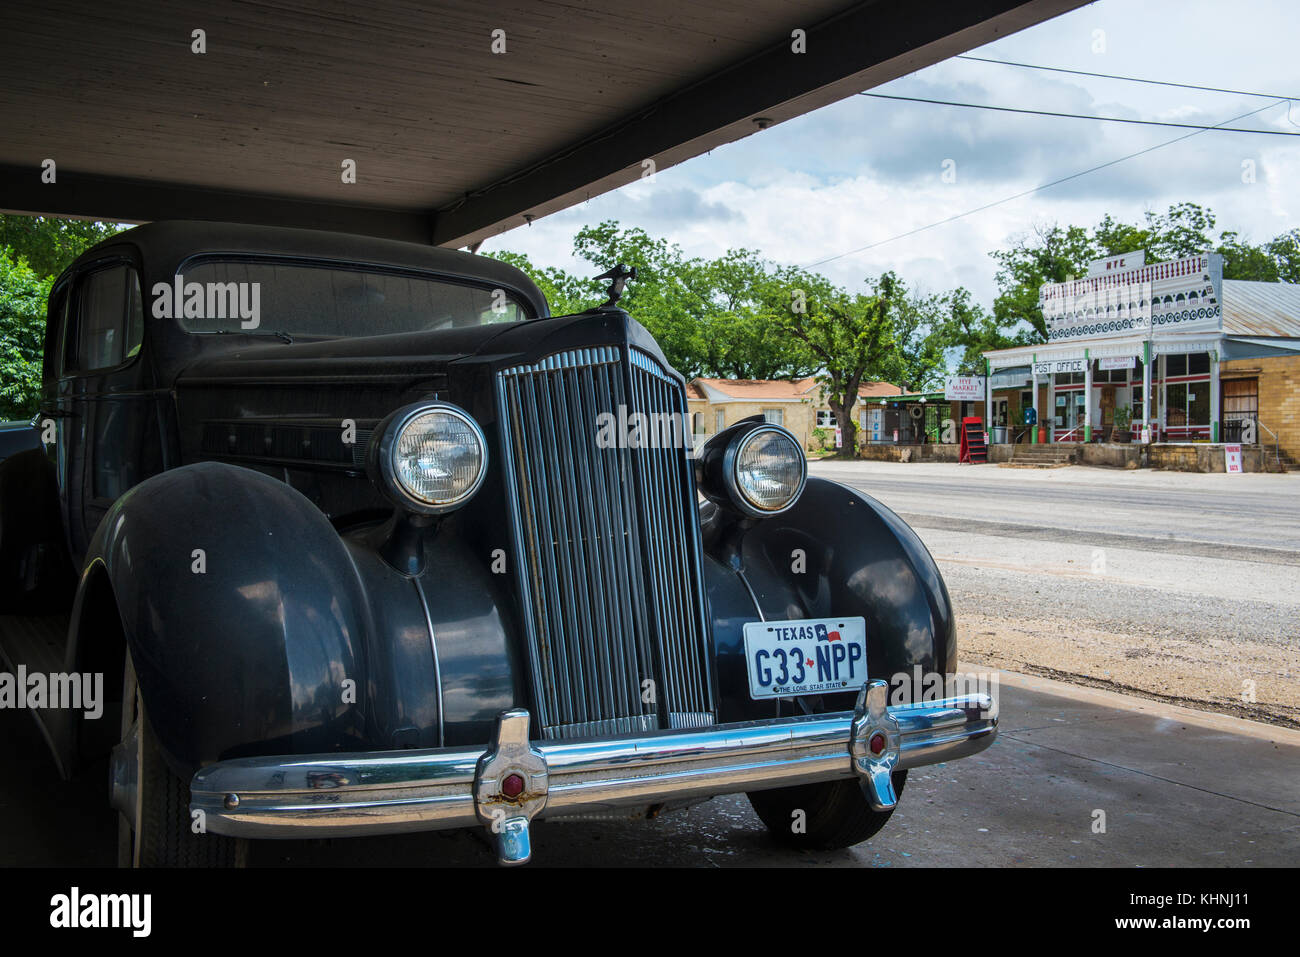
1043,186
1128,79
1077,116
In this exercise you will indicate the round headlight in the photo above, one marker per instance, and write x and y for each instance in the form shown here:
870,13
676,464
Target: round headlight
768,469
433,457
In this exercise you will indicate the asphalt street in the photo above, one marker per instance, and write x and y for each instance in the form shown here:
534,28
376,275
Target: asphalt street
1220,515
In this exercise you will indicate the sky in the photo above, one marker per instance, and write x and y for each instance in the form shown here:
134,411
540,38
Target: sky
865,170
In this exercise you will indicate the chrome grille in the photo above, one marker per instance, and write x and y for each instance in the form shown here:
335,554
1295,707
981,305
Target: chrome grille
610,577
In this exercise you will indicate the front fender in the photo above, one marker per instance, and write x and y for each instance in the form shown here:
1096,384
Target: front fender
243,613
837,552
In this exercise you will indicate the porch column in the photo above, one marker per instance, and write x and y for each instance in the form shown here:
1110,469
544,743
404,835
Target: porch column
1214,395
1162,420
1146,386
988,401
1087,396
1033,397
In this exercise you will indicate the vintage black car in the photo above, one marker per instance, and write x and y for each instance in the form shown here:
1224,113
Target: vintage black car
370,543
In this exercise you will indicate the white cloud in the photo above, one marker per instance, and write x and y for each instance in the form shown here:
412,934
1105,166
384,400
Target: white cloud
865,169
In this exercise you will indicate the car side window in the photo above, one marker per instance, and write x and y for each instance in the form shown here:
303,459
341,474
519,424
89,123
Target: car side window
109,323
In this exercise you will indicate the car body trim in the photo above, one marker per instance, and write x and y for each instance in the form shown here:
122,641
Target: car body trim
400,791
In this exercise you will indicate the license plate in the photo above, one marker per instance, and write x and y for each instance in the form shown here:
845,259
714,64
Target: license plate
809,656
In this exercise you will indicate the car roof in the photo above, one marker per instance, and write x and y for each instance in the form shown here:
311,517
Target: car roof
165,246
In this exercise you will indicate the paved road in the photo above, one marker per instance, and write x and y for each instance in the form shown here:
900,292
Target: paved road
1252,515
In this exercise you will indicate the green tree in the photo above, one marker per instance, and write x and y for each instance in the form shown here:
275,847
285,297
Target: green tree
710,317
49,244
1182,231
854,337
23,295
742,335
564,292
1047,254
1285,251
1275,261
968,326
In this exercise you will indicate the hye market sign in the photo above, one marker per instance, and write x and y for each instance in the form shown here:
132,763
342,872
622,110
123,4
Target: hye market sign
964,388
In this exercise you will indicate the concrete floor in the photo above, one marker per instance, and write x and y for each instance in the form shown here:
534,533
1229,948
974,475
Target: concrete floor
1178,787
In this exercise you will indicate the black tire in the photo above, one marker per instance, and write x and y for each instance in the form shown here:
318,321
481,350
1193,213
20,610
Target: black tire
161,834
836,813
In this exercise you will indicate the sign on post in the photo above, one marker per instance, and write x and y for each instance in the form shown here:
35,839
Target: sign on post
1232,458
1062,365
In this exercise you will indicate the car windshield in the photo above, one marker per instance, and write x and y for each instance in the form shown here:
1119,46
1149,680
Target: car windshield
292,299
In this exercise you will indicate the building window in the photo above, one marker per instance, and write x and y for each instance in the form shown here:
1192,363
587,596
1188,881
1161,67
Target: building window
774,416
719,420
825,419
1187,403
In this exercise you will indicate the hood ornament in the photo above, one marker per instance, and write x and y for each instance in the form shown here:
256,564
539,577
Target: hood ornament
618,277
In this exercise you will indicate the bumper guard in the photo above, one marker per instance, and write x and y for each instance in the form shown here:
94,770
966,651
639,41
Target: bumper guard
515,781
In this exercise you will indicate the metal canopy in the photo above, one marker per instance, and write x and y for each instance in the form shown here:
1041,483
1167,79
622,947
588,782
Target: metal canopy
452,142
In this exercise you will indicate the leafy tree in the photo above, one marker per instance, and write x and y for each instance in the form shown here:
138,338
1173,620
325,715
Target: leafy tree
49,244
970,327
1275,261
742,335
852,336
565,292
919,343
1047,254
709,316
1285,251
23,295
1182,231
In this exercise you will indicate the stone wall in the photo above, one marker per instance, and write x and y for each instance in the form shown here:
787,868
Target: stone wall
930,452
1202,457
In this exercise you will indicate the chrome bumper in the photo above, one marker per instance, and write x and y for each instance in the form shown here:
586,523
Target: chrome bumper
384,792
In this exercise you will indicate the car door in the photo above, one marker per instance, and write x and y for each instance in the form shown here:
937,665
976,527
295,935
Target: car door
112,429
